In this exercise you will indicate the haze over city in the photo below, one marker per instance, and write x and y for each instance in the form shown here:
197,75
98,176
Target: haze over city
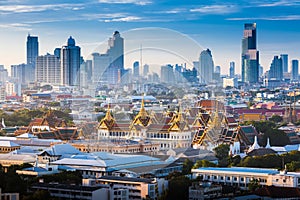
215,25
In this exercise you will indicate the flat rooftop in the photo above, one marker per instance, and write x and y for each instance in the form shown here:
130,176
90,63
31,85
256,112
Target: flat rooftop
232,170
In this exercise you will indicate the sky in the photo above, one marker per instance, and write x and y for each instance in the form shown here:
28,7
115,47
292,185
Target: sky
217,25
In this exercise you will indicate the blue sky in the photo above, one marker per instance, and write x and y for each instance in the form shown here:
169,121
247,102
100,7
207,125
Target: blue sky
217,25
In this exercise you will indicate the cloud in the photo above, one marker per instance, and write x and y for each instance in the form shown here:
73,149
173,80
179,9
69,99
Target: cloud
137,2
274,18
279,3
215,9
17,26
37,8
103,16
124,19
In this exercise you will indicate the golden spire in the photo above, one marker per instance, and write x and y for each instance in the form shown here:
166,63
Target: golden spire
108,116
142,113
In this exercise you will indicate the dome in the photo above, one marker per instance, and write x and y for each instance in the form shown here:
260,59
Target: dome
71,41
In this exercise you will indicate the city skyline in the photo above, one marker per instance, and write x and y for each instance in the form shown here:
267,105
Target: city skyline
217,26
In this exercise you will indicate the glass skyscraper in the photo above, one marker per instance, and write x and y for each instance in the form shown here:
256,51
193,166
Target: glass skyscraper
295,70
32,49
285,65
250,55
70,63
276,69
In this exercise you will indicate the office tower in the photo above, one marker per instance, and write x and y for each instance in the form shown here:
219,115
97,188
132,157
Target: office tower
108,67
48,69
100,64
295,70
116,52
205,67
136,69
145,70
167,74
57,52
70,63
32,49
250,55
232,69
284,58
276,70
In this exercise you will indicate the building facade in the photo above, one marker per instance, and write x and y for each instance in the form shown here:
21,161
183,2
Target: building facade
70,63
250,55
48,69
206,67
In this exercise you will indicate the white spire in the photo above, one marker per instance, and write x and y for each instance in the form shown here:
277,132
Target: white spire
255,145
3,124
268,146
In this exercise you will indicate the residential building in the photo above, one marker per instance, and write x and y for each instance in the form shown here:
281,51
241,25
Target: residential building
203,191
9,196
47,70
250,55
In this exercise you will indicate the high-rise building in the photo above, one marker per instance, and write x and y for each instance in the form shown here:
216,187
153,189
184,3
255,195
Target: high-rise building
167,74
32,49
145,70
206,67
18,73
116,52
136,69
3,75
232,69
48,69
250,55
295,70
285,65
109,67
276,70
57,52
100,64
70,63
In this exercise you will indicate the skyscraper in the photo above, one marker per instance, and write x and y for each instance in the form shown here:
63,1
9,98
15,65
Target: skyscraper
136,69
108,67
167,74
285,65
70,63
295,70
276,70
48,69
232,69
116,52
206,67
145,70
32,49
250,55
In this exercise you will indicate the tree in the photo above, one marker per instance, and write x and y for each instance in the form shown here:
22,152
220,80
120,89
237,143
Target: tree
179,188
276,119
187,166
253,185
222,151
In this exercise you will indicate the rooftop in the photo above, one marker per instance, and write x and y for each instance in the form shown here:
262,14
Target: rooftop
239,170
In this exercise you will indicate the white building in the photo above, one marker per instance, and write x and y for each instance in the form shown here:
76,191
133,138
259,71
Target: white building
12,88
47,69
242,176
